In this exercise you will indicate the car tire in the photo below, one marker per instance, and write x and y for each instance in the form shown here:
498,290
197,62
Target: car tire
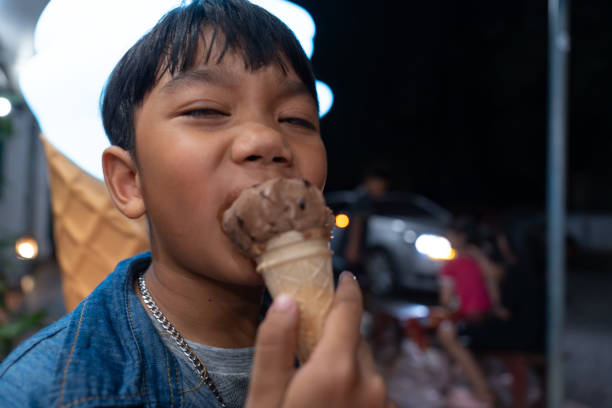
380,272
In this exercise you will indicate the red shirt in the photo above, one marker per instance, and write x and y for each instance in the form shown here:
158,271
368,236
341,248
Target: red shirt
469,285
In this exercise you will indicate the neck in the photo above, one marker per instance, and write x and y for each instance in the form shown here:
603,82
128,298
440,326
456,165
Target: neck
204,310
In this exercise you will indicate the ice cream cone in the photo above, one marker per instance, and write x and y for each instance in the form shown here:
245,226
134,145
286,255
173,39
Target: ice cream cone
300,265
90,234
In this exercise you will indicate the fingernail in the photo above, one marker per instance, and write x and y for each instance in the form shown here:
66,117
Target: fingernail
283,303
347,274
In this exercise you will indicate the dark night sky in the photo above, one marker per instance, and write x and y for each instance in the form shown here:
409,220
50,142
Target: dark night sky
453,96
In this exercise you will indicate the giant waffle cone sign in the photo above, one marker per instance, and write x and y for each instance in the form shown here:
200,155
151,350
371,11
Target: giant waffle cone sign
91,235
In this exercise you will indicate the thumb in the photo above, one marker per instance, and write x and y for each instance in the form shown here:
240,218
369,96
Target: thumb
274,360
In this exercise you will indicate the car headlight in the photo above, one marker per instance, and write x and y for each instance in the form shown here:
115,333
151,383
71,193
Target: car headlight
434,246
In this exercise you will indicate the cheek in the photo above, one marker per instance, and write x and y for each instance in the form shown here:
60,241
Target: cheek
175,183
313,164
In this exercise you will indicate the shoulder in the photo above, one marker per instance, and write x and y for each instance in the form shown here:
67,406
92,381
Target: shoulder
80,353
27,374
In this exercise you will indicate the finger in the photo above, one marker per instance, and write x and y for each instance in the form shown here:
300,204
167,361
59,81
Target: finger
274,361
366,359
372,386
341,332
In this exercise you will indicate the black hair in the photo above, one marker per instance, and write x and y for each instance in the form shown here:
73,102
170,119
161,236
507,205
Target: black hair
172,46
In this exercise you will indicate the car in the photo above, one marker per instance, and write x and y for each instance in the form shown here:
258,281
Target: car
405,245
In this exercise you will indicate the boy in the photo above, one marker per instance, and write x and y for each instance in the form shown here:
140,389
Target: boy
217,97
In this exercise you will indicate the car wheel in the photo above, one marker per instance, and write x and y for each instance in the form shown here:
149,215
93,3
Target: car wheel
379,269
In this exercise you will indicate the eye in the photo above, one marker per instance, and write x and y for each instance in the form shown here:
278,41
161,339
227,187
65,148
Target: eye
204,113
299,122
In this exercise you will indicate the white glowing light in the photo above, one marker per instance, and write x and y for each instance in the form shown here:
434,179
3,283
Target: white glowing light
77,43
434,246
325,96
26,248
296,18
418,311
5,106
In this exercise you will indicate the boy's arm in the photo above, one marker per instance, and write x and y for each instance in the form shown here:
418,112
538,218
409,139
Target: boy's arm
340,371
492,273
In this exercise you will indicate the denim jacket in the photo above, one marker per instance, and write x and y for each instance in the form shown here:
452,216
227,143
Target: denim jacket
105,353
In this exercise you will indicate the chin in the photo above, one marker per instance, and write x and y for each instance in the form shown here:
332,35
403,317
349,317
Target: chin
248,272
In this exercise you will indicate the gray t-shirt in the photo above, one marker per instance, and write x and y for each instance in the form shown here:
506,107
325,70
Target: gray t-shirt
229,369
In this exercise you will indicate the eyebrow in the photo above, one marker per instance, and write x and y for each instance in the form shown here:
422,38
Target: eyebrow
287,88
207,76
292,87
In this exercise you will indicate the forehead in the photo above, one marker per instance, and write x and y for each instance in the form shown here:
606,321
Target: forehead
229,70
231,73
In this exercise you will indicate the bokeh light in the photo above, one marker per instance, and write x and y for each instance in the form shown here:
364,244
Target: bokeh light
342,220
26,248
5,106
435,247
27,284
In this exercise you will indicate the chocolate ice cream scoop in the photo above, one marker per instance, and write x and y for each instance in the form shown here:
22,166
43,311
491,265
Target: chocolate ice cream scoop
273,207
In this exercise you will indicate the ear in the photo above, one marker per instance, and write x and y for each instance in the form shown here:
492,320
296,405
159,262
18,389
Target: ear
123,181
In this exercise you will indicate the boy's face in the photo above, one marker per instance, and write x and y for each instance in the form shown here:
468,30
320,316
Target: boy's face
204,135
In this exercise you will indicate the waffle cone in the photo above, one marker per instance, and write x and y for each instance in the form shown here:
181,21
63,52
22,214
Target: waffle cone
90,234
301,268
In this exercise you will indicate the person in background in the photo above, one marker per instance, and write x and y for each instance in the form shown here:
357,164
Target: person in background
375,185
520,330
464,297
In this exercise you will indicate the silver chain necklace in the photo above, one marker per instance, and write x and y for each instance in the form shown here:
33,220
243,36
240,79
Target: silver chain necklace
199,367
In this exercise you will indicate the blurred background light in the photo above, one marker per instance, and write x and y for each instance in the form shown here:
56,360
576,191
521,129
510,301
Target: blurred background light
66,75
410,236
26,248
325,96
434,246
398,225
342,220
5,106
296,18
27,283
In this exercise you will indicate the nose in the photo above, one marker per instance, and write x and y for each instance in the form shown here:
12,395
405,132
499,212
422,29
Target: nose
261,144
